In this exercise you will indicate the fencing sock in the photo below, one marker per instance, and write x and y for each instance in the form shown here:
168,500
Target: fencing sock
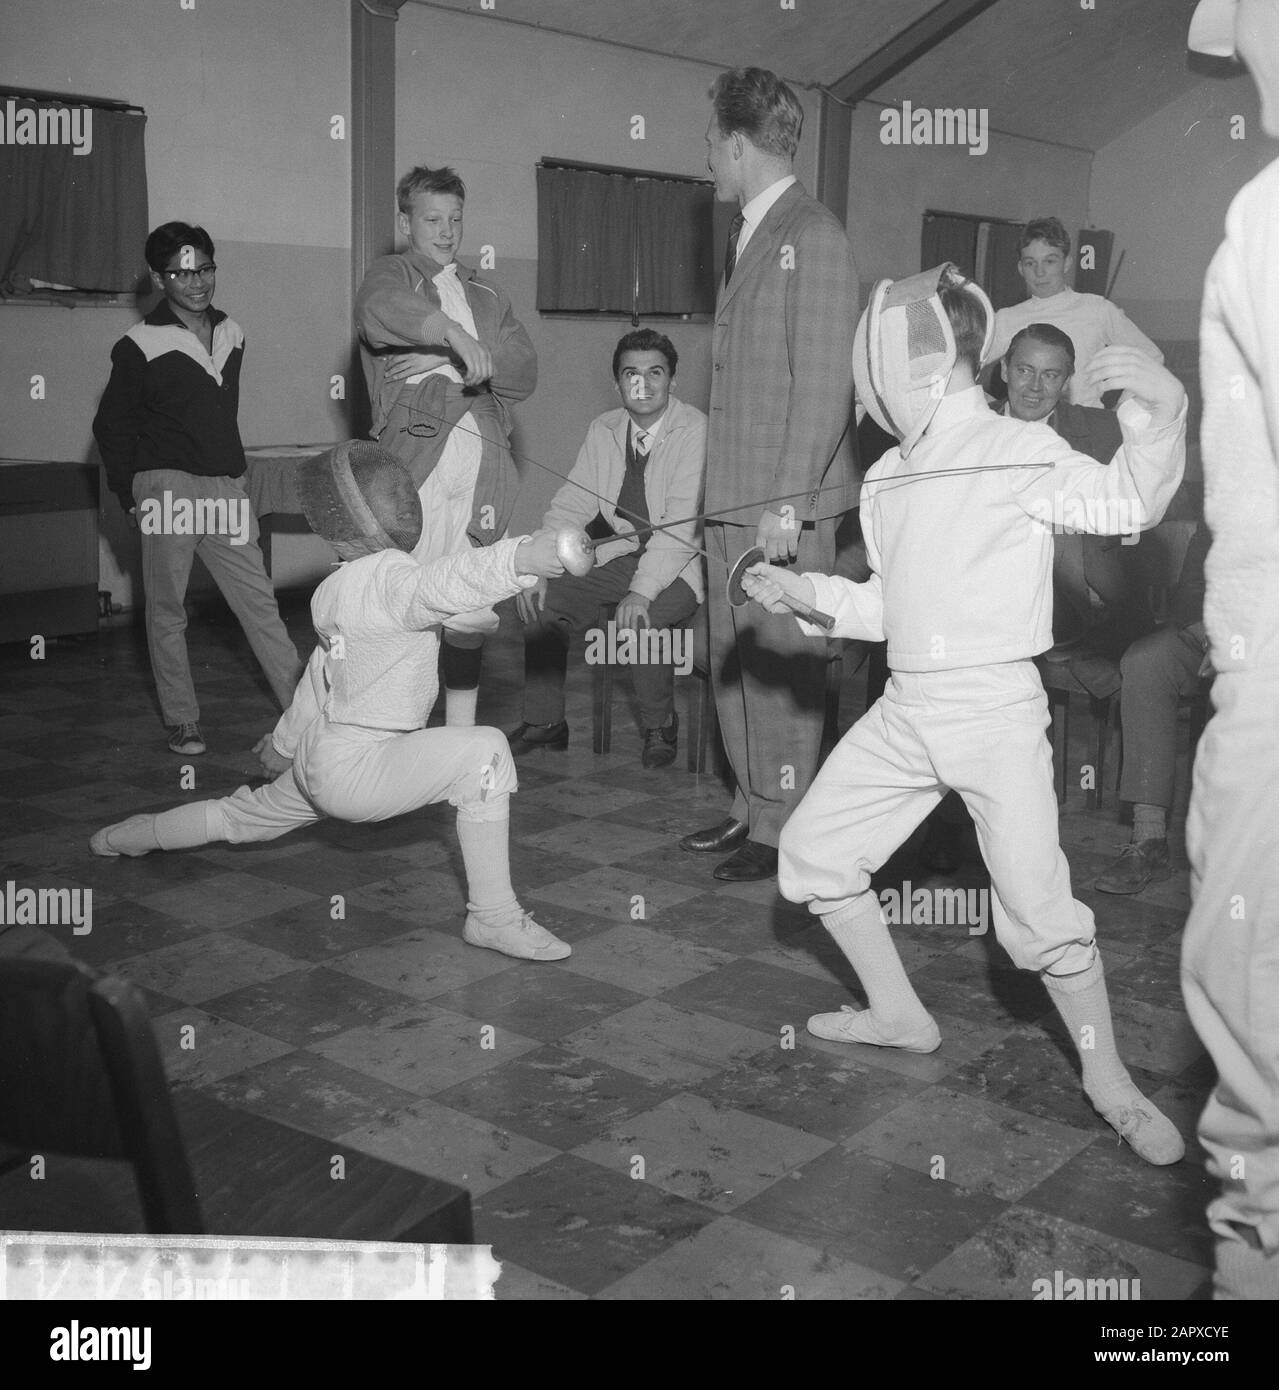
183,827
486,854
896,1017
1084,1005
461,668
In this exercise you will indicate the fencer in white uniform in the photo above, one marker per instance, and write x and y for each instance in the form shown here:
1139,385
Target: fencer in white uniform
352,744
958,523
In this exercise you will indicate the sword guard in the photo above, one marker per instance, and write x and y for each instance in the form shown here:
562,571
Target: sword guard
576,552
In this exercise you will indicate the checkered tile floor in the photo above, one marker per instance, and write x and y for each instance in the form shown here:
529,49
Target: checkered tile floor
647,1119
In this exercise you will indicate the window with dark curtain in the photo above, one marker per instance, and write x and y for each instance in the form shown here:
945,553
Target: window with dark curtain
949,239
624,243
1002,282
69,220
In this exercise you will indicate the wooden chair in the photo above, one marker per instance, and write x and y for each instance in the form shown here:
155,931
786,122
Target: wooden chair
1060,685
82,1082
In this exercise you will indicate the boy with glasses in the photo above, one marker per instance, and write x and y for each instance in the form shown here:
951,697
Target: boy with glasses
170,442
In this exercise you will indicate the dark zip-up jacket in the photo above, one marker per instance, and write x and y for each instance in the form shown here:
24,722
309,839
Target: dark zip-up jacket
169,404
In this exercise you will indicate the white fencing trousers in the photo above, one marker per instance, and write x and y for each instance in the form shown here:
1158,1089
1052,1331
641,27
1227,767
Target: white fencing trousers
356,774
448,497
1230,951
980,730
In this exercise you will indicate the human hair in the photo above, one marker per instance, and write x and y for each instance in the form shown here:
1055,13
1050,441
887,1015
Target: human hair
170,238
420,179
1047,229
759,105
1049,335
645,340
967,317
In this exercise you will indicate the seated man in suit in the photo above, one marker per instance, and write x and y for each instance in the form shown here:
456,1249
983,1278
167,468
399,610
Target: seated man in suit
1158,670
643,463
1099,607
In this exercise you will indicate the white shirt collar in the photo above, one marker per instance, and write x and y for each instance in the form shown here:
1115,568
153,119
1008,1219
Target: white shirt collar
654,431
754,212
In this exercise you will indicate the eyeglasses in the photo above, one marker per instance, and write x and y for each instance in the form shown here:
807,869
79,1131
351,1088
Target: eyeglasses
189,277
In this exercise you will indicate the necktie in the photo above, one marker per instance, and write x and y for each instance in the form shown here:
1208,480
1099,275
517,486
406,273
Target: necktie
641,443
730,259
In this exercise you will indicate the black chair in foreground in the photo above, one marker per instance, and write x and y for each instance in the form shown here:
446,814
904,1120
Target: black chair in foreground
82,1087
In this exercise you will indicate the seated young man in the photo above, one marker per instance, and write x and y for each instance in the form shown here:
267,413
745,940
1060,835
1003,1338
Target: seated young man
641,464
961,559
1091,320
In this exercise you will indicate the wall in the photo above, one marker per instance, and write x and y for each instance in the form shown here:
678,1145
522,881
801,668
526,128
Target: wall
891,186
492,98
1163,188
238,97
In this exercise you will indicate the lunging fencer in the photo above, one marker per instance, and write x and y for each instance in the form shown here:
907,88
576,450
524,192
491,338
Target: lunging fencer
958,528
352,744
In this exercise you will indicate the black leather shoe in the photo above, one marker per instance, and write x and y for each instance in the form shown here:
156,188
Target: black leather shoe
728,834
530,736
752,861
660,744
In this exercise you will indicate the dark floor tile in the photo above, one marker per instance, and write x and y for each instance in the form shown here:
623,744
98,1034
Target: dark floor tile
1108,1188
126,928
878,1214
306,1006
557,1097
983,993
808,1091
312,1093
326,870
1036,1070
308,935
756,995
727,923
581,1225
1153,977
543,1004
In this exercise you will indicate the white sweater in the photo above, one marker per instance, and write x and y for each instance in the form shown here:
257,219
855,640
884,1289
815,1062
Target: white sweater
1091,322
1239,369
378,620
962,565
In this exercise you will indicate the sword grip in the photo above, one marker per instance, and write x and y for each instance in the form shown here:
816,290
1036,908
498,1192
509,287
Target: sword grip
813,615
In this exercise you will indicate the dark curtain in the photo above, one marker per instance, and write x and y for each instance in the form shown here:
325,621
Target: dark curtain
75,219
1002,282
949,239
676,249
585,241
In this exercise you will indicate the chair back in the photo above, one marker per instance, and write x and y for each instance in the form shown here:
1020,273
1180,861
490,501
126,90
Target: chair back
81,1075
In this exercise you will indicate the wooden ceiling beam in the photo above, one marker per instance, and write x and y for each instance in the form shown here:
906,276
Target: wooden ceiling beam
902,50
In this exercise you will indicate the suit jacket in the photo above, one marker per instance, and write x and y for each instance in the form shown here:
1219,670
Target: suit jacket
1109,566
672,486
782,369
398,310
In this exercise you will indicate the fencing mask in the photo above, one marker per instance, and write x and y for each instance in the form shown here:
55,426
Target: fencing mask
904,351
360,497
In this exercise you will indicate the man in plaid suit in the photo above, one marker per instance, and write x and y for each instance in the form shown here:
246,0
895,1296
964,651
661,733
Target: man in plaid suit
780,427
